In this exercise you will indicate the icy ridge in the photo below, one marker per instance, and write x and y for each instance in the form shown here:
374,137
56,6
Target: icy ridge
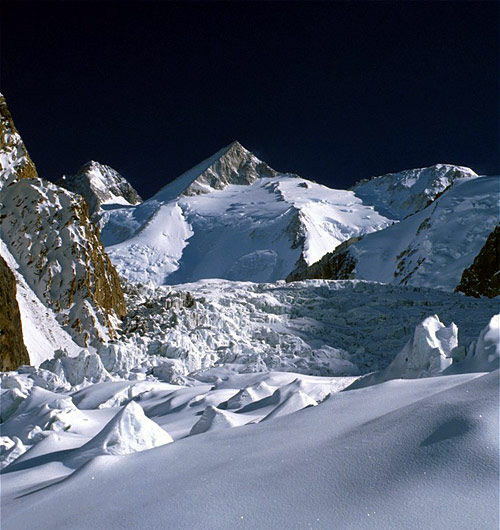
398,195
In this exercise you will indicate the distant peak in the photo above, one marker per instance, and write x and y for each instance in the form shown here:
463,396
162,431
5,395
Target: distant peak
100,184
233,164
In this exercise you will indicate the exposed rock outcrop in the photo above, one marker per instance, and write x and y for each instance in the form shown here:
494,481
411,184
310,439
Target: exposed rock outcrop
15,162
99,184
236,165
482,278
13,352
336,265
57,246
231,165
49,233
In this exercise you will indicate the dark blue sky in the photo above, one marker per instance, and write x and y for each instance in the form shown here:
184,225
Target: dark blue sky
333,91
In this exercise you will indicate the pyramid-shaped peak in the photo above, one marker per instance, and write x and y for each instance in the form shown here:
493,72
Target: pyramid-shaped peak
233,164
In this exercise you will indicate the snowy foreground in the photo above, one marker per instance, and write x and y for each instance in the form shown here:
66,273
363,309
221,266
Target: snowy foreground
316,404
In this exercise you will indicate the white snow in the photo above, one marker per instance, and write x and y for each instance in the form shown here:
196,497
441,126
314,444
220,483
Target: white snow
41,331
227,403
416,453
398,195
434,246
255,231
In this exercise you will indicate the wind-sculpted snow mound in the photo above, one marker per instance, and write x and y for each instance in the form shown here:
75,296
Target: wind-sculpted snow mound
119,417
128,432
361,460
214,419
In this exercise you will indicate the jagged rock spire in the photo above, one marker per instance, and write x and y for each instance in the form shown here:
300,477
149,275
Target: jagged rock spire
15,162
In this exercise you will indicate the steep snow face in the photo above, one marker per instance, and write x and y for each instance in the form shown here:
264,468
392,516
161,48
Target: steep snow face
58,252
253,228
15,162
434,246
428,249
156,250
397,195
100,185
42,333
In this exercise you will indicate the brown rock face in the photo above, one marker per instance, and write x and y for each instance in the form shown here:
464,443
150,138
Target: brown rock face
13,352
482,278
49,232
17,162
336,265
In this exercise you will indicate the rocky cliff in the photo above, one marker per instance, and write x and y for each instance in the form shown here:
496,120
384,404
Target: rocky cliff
15,162
482,278
336,265
13,352
51,237
49,232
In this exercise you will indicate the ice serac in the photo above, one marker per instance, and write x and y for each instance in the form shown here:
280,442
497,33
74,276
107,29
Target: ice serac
48,230
397,195
15,162
100,185
13,352
427,354
482,278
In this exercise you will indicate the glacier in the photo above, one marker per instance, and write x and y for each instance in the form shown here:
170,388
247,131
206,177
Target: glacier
227,397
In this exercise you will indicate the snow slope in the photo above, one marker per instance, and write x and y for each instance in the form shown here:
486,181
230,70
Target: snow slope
404,454
428,249
434,246
42,332
398,195
235,218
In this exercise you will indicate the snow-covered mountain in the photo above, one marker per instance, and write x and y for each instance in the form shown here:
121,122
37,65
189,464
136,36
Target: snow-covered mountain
346,403
67,290
233,217
398,195
100,185
431,248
